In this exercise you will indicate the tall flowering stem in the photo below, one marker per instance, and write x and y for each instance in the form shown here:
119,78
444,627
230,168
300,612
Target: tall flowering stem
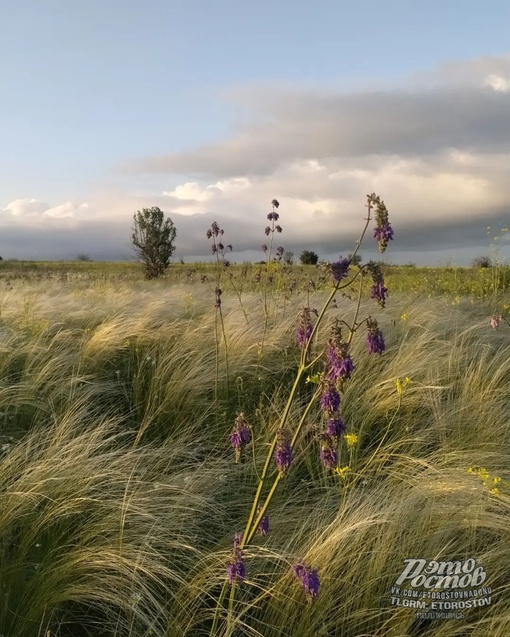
219,250
304,365
269,230
281,450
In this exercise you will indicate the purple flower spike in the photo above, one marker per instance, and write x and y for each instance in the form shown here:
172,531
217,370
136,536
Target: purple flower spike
375,339
340,368
335,427
379,292
305,328
283,455
330,400
240,435
218,294
384,233
340,269
309,579
329,457
236,570
303,334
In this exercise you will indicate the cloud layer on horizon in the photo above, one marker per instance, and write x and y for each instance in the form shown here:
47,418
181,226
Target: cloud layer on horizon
437,149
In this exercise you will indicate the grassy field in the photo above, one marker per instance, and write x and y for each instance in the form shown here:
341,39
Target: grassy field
120,494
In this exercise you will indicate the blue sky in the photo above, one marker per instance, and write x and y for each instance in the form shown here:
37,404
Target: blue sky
106,105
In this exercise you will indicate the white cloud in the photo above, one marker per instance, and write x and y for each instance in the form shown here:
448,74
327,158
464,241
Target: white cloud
35,208
26,207
498,83
65,210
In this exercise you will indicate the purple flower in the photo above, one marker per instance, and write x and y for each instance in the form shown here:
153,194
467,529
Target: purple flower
218,294
267,230
240,435
278,228
379,292
383,231
375,339
283,455
330,400
209,233
263,527
335,427
340,269
340,368
305,328
273,216
303,334
309,579
264,247
275,203
328,456
236,570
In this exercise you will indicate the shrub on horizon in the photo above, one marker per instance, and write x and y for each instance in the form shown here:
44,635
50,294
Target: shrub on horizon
153,240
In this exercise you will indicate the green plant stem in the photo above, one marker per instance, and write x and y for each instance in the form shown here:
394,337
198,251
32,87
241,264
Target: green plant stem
218,608
270,455
272,491
226,352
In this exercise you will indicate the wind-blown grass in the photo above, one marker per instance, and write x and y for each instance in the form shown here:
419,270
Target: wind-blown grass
120,495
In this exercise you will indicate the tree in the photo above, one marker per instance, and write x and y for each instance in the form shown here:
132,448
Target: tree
153,240
309,257
481,262
288,257
83,257
355,259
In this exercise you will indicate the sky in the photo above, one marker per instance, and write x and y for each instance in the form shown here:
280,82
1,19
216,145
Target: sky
209,109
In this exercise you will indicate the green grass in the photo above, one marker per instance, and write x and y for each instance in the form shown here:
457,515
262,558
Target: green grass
120,495
291,280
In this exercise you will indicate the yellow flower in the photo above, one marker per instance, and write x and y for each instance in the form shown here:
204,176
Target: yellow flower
351,440
342,471
402,385
403,316
488,482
